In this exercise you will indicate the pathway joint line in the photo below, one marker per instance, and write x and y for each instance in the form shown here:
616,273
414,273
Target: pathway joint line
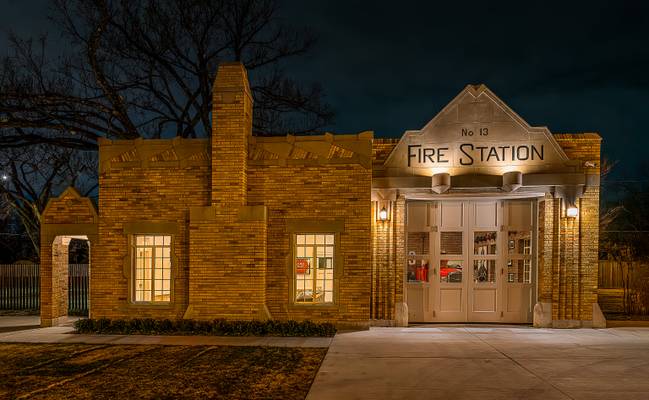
521,365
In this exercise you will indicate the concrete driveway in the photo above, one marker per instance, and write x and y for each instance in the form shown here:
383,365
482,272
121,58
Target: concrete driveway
481,362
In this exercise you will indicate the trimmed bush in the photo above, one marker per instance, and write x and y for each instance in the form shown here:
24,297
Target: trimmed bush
217,327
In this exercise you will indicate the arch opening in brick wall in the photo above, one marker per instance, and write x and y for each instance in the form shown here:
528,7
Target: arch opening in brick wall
67,217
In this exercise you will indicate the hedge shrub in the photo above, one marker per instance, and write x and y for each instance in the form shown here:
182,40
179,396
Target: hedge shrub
217,327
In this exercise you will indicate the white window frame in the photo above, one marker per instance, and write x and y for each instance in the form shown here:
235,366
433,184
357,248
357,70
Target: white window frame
329,268
160,264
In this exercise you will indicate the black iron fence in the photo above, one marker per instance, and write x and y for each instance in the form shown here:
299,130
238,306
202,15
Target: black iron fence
20,287
78,289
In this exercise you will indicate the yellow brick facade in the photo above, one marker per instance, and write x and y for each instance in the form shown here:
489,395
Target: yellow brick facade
234,203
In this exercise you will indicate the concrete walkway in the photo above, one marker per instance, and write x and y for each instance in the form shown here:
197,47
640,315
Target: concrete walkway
19,322
65,334
481,362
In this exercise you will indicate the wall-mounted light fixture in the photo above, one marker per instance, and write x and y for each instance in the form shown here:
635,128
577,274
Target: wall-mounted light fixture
441,182
512,181
383,210
570,194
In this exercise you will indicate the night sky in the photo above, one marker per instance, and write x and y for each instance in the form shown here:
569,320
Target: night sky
391,66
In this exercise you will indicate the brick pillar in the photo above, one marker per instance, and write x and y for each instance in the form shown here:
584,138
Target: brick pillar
568,263
231,127
388,256
54,280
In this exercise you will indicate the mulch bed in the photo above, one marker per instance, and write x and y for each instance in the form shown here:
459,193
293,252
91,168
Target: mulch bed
59,371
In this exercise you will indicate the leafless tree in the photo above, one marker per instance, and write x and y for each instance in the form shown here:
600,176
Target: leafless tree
145,68
138,68
30,177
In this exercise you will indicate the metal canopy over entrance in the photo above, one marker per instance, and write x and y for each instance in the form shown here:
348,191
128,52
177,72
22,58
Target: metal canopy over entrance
471,260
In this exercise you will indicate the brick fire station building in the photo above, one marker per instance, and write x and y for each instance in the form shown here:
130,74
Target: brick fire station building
476,217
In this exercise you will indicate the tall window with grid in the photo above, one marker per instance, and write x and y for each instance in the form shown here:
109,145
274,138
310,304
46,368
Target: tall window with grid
152,267
314,268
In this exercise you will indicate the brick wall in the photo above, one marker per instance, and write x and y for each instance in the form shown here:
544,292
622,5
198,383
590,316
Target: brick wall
325,193
134,197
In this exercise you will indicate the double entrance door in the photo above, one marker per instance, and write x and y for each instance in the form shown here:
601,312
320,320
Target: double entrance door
471,261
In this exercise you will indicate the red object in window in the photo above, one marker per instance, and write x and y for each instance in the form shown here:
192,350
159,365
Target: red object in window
421,273
444,271
301,265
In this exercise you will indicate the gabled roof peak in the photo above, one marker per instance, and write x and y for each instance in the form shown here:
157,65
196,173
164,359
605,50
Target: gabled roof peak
476,89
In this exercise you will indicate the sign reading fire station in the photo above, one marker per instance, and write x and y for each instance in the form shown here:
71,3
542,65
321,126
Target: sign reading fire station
476,130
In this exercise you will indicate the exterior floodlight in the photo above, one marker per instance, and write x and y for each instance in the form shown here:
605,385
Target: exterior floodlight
4,177
441,183
383,214
512,181
572,212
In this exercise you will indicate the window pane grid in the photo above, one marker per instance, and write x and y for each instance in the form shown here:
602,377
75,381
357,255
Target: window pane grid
314,266
153,268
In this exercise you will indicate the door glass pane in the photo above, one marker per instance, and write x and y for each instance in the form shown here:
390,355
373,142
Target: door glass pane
418,243
519,271
417,269
450,271
519,242
484,271
515,271
450,242
484,243
527,271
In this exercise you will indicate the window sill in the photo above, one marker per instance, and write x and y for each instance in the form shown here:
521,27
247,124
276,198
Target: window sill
303,306
166,304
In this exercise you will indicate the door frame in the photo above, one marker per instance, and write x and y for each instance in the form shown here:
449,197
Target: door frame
429,292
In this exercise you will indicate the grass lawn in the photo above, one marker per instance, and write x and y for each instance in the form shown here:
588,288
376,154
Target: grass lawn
81,371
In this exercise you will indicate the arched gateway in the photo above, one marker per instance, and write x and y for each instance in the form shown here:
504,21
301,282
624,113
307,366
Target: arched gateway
476,217
66,217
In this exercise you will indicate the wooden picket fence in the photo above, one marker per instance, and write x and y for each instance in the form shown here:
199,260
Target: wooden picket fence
612,274
20,287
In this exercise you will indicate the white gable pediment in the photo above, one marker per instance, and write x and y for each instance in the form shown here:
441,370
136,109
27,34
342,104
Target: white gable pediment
476,133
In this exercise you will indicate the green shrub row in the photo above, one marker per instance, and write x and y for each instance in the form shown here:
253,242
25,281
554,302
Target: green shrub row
217,327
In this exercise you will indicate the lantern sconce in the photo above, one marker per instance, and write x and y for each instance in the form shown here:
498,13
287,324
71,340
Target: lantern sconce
382,210
570,194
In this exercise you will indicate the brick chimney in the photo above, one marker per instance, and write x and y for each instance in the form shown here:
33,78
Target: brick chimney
231,128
